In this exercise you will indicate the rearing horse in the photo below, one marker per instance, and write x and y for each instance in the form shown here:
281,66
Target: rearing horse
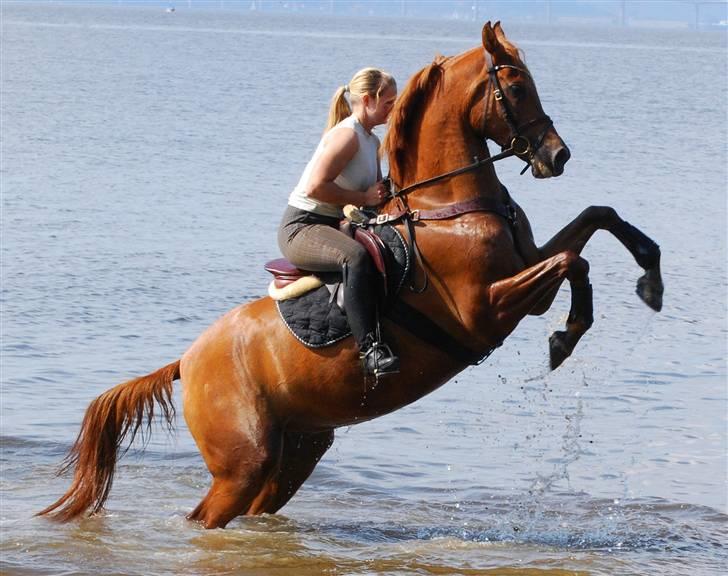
263,408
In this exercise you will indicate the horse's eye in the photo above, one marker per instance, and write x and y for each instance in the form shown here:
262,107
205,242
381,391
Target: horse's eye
517,91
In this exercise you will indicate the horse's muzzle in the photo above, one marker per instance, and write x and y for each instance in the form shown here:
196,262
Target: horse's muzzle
549,161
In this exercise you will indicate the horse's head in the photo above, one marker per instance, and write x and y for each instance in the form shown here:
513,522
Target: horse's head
512,115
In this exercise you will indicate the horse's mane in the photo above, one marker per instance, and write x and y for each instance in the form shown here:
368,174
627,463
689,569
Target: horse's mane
407,109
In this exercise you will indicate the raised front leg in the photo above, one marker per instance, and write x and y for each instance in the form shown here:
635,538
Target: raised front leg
513,298
646,252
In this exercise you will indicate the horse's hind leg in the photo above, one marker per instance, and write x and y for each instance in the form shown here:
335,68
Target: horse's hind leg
252,478
300,454
239,440
239,469
513,298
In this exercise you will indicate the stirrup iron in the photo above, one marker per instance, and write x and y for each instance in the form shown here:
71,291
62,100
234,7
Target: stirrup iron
379,360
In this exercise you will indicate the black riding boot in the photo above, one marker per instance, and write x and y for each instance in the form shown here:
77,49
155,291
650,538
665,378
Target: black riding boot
377,357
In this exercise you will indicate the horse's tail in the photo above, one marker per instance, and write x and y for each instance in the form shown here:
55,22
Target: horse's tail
110,418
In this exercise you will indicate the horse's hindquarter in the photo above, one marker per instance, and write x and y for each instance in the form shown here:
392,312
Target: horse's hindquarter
247,365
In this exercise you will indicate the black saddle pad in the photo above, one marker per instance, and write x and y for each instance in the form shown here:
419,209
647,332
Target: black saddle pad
317,321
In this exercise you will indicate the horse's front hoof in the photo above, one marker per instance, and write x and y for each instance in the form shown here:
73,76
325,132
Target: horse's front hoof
650,289
558,349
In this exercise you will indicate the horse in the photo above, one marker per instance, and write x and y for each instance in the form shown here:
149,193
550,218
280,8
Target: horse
262,408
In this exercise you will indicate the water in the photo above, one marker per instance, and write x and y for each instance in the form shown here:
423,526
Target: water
146,159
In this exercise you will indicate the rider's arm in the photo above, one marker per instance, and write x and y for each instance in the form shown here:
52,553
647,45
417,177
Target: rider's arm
340,147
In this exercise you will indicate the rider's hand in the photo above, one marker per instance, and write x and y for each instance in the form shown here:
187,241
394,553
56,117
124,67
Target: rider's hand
376,194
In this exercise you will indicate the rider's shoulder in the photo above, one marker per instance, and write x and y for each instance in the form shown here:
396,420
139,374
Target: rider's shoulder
342,136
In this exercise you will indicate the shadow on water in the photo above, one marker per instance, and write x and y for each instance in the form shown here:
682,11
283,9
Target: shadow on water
588,525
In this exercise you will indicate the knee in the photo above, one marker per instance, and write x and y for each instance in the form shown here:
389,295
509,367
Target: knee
575,267
358,259
601,215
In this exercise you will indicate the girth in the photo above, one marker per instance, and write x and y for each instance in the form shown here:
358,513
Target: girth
412,319
477,204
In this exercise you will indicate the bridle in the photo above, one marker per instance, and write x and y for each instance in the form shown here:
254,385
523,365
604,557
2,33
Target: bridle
518,145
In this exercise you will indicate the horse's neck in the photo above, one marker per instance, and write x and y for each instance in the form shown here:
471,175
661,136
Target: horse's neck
441,148
458,293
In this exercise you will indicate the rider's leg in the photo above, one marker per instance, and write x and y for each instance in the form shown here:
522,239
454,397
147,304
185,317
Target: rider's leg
377,357
322,248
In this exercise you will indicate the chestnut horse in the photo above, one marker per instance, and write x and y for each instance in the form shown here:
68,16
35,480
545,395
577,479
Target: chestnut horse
263,408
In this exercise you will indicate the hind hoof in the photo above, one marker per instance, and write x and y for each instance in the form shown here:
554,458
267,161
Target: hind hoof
650,289
558,349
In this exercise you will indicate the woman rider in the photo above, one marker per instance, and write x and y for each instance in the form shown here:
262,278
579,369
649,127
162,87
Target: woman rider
344,170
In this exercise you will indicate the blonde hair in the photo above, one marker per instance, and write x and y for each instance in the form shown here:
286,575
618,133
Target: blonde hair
370,81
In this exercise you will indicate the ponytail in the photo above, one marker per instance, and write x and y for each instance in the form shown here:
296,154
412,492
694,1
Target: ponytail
339,108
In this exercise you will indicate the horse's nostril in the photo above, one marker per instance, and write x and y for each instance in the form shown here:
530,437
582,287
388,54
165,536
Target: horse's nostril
561,158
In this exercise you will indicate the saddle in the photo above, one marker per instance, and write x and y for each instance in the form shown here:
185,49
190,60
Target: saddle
311,303
285,274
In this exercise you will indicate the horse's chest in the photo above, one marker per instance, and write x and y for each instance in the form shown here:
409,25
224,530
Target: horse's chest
477,246
498,257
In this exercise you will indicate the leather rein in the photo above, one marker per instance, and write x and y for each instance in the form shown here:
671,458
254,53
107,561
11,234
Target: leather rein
519,146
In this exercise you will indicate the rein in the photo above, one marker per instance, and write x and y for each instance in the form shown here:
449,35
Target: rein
514,150
520,146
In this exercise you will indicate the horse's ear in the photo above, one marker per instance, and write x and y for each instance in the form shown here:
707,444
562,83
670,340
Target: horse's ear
489,39
499,32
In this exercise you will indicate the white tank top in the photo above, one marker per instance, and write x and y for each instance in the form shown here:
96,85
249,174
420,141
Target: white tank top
360,173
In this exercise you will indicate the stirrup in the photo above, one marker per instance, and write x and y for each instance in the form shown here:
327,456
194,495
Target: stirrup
379,360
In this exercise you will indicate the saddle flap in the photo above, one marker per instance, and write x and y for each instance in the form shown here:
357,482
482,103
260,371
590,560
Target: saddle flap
314,317
374,246
389,249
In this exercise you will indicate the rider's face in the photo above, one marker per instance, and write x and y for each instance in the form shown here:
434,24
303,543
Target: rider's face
380,109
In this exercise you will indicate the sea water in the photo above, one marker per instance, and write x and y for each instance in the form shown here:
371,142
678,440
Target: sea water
146,160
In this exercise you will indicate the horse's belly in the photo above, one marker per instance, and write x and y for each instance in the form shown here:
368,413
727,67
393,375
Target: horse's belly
248,358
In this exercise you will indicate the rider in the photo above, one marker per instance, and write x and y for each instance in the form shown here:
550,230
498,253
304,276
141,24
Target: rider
344,170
